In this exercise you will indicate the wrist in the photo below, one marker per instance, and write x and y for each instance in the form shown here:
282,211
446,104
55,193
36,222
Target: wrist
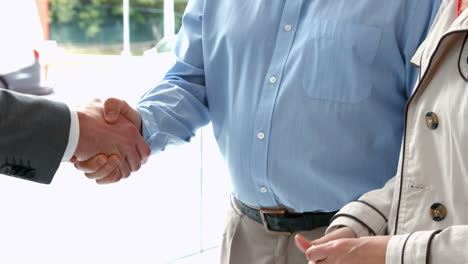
376,248
140,126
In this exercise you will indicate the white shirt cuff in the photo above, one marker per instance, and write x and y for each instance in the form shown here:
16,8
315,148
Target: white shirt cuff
73,136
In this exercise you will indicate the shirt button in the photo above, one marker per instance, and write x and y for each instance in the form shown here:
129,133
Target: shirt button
263,190
438,212
261,135
288,28
273,79
432,121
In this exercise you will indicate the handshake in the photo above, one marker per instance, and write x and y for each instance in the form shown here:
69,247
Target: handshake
110,145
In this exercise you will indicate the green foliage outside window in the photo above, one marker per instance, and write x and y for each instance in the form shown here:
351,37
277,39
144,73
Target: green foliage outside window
95,26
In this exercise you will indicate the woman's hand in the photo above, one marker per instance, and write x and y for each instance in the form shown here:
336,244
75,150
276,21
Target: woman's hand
362,250
303,244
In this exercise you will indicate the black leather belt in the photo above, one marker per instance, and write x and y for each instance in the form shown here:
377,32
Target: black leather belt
282,221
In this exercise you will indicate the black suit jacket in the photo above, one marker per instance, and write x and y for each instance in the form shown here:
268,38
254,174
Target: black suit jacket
33,136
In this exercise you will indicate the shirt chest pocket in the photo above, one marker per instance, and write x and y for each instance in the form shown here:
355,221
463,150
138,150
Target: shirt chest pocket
339,58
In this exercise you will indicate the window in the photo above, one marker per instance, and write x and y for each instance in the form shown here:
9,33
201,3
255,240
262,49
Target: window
105,26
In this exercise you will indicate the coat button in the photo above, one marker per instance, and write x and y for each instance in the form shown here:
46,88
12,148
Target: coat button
438,212
432,121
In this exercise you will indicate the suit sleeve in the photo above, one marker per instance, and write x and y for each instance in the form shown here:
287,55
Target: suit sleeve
33,136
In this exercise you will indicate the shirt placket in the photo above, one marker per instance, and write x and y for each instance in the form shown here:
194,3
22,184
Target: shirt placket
271,85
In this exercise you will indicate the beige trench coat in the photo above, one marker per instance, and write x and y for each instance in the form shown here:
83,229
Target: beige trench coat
425,206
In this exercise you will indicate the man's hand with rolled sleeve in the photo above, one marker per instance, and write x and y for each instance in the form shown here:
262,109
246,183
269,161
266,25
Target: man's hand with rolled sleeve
109,151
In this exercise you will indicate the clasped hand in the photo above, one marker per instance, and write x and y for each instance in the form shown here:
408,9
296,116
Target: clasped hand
110,145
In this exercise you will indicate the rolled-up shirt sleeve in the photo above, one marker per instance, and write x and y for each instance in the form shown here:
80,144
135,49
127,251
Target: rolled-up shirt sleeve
177,106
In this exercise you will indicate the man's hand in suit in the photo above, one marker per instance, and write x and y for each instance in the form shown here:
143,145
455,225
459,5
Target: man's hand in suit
118,142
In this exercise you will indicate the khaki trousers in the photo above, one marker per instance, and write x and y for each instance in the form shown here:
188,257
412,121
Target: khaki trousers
246,242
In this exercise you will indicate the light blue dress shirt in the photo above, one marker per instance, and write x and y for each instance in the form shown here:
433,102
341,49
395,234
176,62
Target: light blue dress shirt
306,97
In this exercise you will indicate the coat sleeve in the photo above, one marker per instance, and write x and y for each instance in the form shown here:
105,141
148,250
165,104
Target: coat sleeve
369,214
33,136
434,246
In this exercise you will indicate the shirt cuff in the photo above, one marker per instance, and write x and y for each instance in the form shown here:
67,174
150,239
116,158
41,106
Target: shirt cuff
413,248
361,217
73,137
150,130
